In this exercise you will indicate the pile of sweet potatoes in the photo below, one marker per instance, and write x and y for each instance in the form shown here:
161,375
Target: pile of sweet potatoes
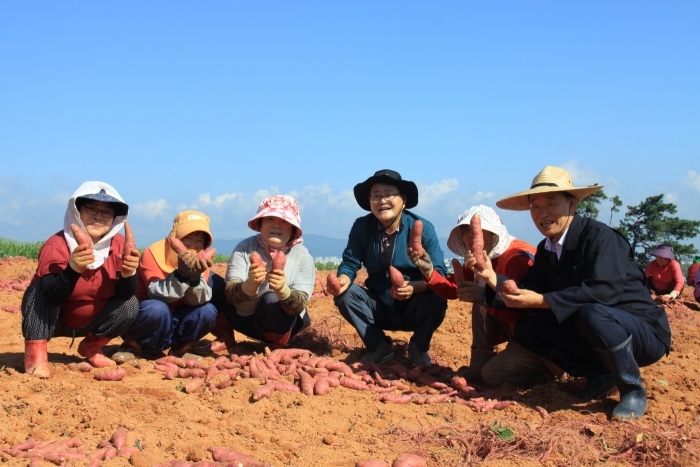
71,449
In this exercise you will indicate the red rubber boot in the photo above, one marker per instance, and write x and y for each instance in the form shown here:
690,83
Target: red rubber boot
36,359
91,348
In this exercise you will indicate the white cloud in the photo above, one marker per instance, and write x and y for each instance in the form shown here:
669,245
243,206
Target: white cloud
203,200
152,209
435,193
480,196
219,200
671,197
691,180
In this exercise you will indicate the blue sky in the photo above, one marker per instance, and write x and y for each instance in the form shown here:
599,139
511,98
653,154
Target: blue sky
214,105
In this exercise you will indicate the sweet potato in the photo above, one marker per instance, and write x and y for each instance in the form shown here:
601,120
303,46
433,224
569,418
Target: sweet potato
509,287
415,240
371,463
207,255
477,241
235,458
399,370
263,391
395,398
171,373
118,439
114,375
35,463
406,459
129,242
333,285
353,384
190,373
82,366
306,383
256,259
80,235
396,277
458,272
177,245
458,383
282,386
193,385
321,386
279,261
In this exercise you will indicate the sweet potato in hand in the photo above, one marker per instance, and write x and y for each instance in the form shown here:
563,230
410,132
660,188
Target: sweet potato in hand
415,240
509,287
80,235
477,246
256,259
177,245
333,285
396,277
279,261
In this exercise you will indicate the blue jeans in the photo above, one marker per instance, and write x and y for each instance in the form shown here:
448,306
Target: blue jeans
571,344
156,328
423,313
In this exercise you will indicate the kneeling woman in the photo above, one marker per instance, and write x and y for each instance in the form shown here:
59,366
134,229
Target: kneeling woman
266,303
174,292
85,280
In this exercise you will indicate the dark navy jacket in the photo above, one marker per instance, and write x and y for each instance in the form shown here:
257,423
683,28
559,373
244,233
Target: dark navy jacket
596,266
364,248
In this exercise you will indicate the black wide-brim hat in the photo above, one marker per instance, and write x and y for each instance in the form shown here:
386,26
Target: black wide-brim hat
389,177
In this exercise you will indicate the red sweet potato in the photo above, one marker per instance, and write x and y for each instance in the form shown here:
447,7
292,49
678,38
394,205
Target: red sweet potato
194,385
458,383
256,259
228,455
279,261
190,373
207,255
177,245
263,391
118,439
396,277
282,386
129,242
80,235
128,452
477,241
353,384
458,271
406,459
114,375
415,240
509,287
395,398
171,373
321,387
82,366
306,383
333,285
371,463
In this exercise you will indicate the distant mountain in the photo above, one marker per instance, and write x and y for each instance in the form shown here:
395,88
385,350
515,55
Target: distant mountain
318,246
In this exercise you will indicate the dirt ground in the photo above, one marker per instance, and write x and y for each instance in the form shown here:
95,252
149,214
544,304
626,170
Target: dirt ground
345,426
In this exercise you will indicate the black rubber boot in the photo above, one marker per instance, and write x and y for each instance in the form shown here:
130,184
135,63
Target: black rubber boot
599,381
621,363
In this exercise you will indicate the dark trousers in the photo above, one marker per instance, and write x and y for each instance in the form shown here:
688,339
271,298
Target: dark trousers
269,323
41,320
422,314
157,328
571,344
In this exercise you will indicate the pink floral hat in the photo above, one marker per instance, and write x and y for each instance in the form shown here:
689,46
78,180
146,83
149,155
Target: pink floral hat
283,206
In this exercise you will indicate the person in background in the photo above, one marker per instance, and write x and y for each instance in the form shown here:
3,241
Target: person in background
174,293
262,302
592,316
664,275
696,292
690,277
490,326
84,283
377,241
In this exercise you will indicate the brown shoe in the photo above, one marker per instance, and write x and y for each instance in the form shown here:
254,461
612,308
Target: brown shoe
129,350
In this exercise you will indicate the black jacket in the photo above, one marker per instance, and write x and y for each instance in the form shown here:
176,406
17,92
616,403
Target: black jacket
596,266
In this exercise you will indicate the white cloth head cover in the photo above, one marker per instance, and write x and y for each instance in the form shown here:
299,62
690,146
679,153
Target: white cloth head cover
101,248
489,221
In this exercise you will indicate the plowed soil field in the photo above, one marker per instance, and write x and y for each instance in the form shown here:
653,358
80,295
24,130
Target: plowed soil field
344,426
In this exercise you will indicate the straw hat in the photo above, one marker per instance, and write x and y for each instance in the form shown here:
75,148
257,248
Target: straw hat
550,179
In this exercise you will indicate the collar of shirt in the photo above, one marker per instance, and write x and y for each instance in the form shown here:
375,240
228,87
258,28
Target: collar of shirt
382,229
556,247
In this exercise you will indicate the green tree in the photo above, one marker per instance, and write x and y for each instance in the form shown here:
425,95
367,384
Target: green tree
615,207
649,224
588,207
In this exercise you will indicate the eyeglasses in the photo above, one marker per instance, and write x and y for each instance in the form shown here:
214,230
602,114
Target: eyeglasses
93,211
376,199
